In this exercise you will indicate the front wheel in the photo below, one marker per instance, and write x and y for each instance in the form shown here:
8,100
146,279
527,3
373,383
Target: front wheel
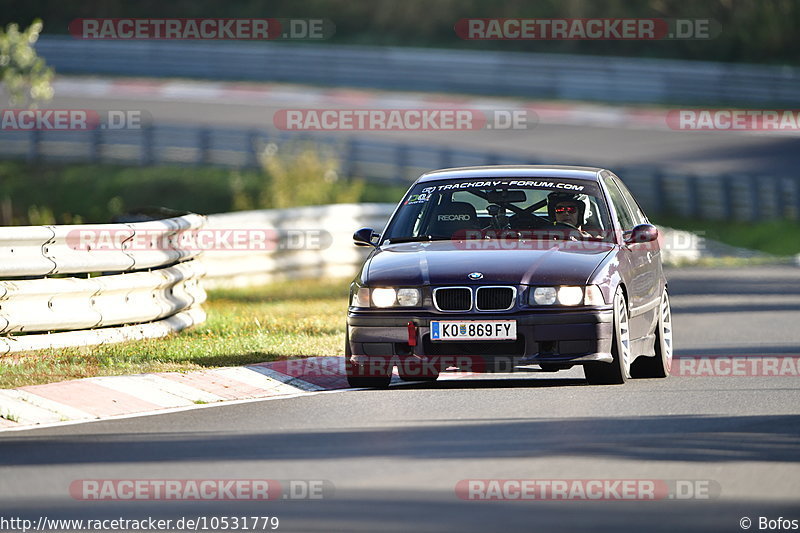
660,365
364,376
619,370
376,374
409,371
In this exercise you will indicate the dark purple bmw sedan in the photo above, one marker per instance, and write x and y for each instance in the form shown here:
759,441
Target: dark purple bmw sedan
508,268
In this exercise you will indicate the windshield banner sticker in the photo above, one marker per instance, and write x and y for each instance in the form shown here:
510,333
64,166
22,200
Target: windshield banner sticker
517,183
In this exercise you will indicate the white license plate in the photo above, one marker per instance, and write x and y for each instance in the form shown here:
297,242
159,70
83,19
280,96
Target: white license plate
469,330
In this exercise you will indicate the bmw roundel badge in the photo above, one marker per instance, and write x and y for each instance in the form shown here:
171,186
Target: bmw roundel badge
475,275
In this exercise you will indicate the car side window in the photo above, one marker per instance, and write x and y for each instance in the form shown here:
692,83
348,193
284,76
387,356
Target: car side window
620,206
638,216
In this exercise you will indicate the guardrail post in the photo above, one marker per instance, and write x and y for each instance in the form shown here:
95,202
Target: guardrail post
34,145
755,198
693,196
252,148
95,144
146,155
401,162
781,205
204,146
726,184
796,198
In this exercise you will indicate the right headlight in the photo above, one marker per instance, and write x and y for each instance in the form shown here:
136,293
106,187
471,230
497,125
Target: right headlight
570,295
567,295
543,296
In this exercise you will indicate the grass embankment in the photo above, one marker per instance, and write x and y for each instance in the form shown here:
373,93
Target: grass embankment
776,237
92,194
244,326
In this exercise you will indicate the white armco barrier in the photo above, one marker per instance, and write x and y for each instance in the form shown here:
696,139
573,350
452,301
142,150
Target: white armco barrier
47,250
161,328
308,242
54,304
135,273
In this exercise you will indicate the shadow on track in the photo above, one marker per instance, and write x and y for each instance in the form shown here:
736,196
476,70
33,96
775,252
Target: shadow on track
662,438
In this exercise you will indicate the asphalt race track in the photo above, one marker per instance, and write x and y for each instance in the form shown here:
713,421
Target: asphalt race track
392,459
703,152
395,457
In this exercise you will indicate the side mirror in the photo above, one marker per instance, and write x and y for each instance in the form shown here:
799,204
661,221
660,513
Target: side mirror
641,233
364,237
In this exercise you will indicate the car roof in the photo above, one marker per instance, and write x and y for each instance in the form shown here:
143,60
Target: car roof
514,171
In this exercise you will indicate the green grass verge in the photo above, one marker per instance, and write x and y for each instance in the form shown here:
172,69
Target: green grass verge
776,237
244,326
50,193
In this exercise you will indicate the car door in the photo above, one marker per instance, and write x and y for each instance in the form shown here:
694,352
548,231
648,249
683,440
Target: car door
639,258
655,286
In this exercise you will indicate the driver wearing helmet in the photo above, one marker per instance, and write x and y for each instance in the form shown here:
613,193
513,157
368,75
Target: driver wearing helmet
571,209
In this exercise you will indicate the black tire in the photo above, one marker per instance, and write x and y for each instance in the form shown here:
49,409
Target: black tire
550,367
372,376
618,371
417,372
660,365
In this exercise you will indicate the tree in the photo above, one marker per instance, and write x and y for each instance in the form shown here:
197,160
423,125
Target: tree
24,75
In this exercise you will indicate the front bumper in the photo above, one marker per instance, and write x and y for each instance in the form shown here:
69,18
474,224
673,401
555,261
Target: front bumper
556,337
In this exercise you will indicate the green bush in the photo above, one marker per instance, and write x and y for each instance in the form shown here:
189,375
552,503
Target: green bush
303,175
49,193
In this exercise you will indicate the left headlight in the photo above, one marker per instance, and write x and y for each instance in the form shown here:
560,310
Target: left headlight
386,297
408,297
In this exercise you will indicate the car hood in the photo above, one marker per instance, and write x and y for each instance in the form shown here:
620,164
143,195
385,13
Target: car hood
450,262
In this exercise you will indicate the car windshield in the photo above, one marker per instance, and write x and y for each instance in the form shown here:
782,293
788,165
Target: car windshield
522,208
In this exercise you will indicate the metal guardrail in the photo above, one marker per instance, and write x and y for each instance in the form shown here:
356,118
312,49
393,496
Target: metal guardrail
152,285
48,250
336,257
727,196
92,337
532,75
54,304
